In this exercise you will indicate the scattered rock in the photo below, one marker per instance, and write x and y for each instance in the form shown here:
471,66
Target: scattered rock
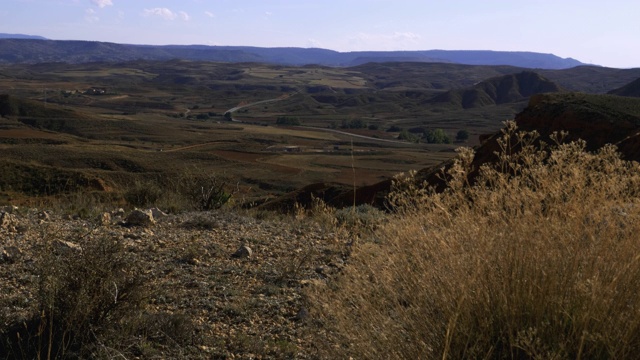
311,282
140,218
191,267
104,219
339,262
10,255
191,260
302,314
8,221
243,252
66,246
44,215
118,213
157,213
11,209
133,236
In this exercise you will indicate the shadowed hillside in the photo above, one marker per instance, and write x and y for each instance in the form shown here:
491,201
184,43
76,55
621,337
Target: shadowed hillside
631,89
12,106
498,90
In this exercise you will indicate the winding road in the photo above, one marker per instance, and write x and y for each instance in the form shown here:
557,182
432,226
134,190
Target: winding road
286,96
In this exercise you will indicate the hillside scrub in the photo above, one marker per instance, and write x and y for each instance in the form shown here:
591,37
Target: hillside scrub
537,259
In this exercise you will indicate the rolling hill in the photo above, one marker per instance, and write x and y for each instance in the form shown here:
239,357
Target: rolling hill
631,89
498,90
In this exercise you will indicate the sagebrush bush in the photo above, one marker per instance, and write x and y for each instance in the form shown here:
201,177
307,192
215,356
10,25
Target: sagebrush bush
196,190
83,295
192,189
538,258
364,215
143,194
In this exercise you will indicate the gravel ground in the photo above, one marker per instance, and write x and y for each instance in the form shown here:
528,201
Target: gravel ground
236,282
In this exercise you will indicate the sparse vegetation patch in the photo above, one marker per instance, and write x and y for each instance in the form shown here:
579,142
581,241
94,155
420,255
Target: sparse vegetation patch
537,259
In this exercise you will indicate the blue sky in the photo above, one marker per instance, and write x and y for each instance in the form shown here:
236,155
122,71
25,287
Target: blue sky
599,32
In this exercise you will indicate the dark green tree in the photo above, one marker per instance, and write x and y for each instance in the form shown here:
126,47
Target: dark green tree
462,135
288,121
407,136
8,106
437,136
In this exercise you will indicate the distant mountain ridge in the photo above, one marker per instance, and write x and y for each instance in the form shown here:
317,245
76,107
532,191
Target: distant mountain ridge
21,36
30,50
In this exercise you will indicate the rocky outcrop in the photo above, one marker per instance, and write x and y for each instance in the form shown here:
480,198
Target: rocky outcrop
597,119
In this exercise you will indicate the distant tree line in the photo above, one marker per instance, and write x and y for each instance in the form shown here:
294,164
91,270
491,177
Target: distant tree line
8,106
430,136
206,116
288,121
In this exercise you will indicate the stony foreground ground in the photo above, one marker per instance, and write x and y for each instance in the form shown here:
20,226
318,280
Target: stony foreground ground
237,281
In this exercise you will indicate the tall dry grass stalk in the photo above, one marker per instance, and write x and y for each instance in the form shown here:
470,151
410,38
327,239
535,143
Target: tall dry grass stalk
539,259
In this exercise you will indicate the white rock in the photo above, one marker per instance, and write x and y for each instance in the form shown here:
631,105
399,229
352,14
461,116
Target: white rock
157,213
243,252
118,213
11,209
66,246
8,221
104,219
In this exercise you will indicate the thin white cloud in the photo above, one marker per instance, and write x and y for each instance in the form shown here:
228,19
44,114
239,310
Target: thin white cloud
161,12
102,3
91,16
313,43
209,14
166,14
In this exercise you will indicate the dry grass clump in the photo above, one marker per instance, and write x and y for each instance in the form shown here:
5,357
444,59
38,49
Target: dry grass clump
537,259
83,293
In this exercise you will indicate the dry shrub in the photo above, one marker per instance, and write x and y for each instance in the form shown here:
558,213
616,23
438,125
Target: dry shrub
83,295
144,194
538,259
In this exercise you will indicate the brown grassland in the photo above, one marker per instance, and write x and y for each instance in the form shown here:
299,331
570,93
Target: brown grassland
157,120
